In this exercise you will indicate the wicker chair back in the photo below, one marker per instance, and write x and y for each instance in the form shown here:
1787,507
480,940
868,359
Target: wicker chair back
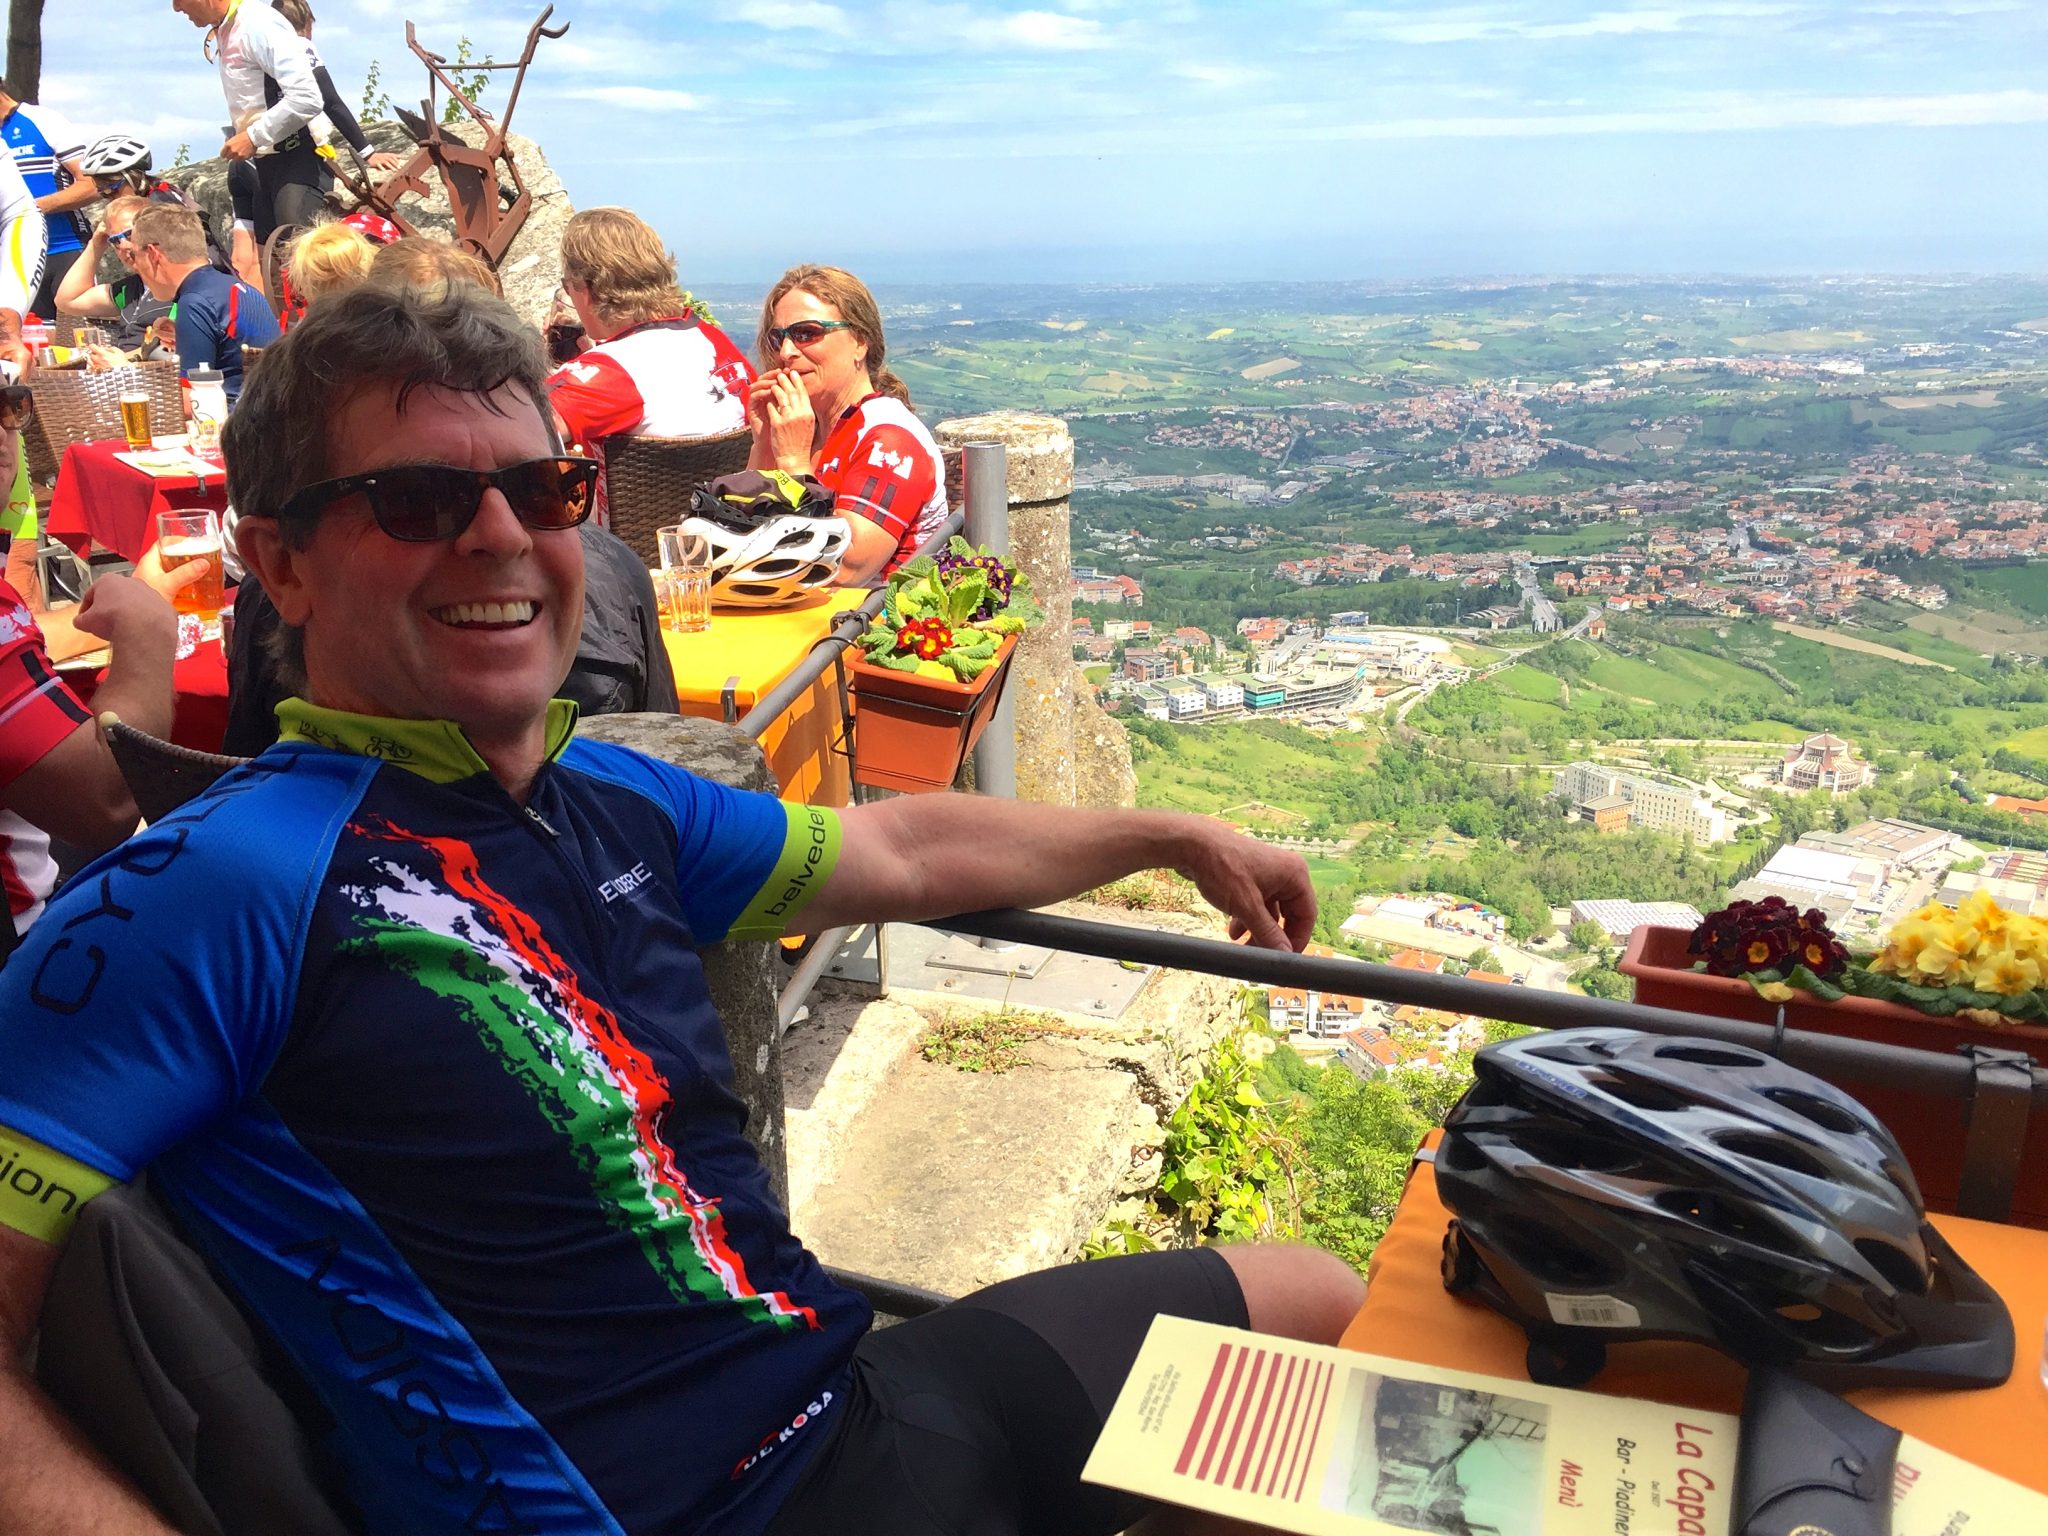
77,407
648,480
161,774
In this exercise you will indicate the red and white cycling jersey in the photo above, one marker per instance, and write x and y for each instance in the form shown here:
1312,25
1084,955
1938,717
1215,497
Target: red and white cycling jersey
36,712
668,378
671,378
882,463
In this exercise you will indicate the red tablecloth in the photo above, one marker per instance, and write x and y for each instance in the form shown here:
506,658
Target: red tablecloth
99,500
201,685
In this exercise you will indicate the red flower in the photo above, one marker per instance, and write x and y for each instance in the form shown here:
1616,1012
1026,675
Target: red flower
926,639
1767,935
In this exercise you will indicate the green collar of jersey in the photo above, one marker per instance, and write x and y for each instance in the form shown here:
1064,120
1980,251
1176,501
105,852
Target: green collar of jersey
436,750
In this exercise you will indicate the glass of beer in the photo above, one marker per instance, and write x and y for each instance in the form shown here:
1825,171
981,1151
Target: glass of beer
187,536
135,419
682,587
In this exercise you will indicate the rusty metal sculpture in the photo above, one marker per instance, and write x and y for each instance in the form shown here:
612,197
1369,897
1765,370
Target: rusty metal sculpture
486,193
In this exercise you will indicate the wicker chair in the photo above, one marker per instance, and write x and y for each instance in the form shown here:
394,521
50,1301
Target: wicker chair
161,775
648,480
73,406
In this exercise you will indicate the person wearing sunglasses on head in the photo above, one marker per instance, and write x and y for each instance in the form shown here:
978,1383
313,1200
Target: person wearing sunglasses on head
126,303
658,365
825,404
407,1021
119,165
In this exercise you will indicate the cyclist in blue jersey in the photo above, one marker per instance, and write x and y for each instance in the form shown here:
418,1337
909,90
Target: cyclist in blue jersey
406,1020
46,150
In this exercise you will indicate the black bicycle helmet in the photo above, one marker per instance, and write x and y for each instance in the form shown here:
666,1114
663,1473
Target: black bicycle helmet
1609,1185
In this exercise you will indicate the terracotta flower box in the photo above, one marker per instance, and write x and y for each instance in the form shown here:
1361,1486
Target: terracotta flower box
912,733
1929,1130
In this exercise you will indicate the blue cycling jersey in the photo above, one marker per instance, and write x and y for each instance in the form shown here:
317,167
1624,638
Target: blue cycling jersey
217,315
40,161
434,1081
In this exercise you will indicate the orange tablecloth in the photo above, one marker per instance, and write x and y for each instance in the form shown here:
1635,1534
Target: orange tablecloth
1408,1315
99,500
755,651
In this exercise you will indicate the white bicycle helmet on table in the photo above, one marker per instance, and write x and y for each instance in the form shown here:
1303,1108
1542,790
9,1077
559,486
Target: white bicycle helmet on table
774,537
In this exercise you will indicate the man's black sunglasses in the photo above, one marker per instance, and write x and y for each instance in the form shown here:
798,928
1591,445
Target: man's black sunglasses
422,503
17,404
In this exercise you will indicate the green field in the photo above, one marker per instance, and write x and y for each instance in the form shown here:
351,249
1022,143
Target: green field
2032,743
1522,681
1219,766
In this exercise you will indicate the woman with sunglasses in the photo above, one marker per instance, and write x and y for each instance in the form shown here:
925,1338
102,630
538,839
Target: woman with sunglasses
825,405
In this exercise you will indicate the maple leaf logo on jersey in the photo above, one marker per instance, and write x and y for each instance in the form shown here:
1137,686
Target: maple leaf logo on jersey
887,458
16,623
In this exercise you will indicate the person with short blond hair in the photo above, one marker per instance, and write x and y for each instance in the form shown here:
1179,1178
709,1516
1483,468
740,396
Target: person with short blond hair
419,261
329,259
217,313
658,364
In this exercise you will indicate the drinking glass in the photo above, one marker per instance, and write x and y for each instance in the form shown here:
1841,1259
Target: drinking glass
135,419
187,536
682,587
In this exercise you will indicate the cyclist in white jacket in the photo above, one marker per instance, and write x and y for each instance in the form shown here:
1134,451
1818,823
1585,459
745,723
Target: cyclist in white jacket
273,95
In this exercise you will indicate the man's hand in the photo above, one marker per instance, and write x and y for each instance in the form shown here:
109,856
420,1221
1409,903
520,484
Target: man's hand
149,570
1264,891
122,610
383,160
21,354
240,147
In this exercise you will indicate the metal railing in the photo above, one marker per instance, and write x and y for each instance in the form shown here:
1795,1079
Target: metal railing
2000,1088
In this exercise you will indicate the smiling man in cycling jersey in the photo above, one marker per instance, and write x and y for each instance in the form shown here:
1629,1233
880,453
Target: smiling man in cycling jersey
407,1022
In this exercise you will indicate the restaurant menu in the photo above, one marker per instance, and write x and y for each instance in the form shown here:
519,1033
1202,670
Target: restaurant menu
171,463
1304,1438
1936,1494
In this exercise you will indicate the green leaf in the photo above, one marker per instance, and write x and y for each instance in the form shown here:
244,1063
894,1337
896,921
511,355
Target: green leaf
895,662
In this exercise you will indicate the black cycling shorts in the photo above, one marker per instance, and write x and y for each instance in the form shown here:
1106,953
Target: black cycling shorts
977,1419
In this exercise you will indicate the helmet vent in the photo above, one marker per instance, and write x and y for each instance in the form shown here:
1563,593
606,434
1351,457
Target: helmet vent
1710,1056
1642,1095
1778,1151
1717,1214
1829,1117
1898,1269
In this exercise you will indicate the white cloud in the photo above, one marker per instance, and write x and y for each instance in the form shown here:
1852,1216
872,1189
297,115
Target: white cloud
1728,113
1225,75
1050,29
640,98
793,16
1481,24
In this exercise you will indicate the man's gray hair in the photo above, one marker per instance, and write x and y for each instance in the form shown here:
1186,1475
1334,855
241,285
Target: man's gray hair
276,442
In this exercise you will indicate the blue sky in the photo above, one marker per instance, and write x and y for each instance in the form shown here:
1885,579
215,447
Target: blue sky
948,140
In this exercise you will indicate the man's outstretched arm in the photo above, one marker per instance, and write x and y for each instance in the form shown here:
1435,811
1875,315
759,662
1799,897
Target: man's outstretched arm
922,856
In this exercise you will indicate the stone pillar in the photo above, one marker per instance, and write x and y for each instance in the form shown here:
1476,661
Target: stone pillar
1040,454
742,976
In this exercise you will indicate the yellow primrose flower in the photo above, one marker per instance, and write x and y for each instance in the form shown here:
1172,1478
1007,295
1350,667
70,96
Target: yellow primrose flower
2006,973
1911,938
1980,923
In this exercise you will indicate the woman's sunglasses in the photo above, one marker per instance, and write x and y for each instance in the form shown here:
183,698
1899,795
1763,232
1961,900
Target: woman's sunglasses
17,404
805,333
423,503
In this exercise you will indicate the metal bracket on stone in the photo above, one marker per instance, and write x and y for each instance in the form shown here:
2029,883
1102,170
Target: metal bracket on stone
2000,1106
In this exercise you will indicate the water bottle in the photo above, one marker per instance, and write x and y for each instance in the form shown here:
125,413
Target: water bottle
209,410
